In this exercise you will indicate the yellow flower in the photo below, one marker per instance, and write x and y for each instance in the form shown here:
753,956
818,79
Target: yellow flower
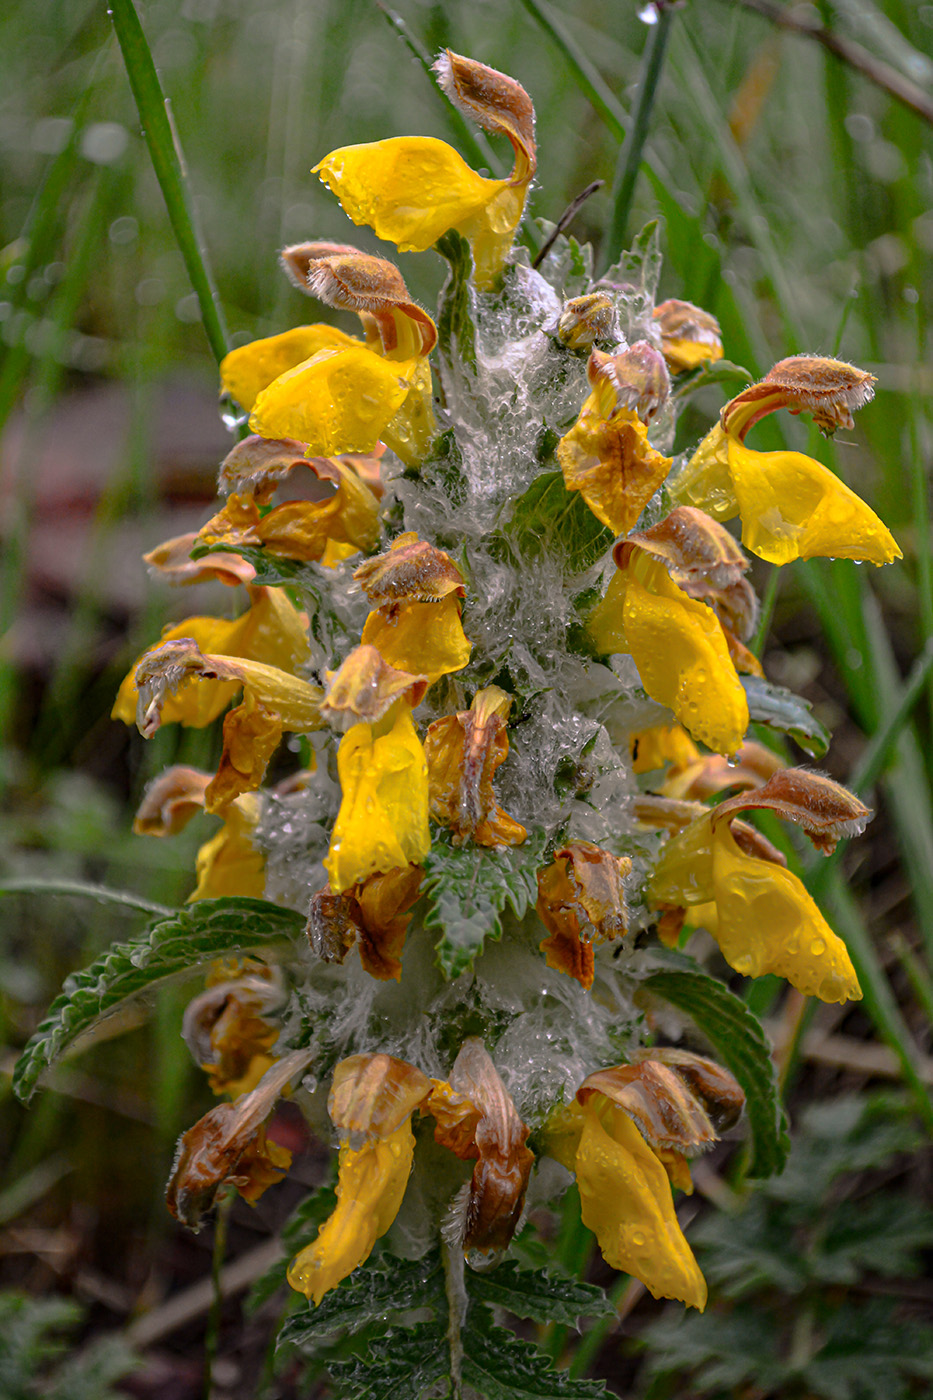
371,1182
383,817
272,630
626,1200
679,648
372,1096
606,456
689,336
343,396
412,189
764,920
791,506
463,752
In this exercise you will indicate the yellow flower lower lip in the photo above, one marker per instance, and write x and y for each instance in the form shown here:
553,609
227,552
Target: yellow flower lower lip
383,819
679,648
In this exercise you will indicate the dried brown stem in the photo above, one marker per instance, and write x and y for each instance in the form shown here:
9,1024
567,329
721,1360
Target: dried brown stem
850,52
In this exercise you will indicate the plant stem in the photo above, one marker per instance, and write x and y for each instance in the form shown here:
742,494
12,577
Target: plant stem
168,161
212,1336
652,64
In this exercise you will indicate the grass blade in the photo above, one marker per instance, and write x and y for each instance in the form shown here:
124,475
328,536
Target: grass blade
155,113
629,163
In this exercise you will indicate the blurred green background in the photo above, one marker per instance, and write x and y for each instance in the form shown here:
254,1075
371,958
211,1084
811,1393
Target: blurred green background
796,199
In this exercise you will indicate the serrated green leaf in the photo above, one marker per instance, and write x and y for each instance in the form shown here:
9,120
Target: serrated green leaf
209,929
781,709
501,1367
551,517
469,886
272,570
366,1296
536,1294
399,1366
740,1041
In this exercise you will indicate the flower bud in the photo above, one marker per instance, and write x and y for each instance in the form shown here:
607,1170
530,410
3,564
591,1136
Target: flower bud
689,336
586,319
638,375
496,1194
581,901
411,570
170,801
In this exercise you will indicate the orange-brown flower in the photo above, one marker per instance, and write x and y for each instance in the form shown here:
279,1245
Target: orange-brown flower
581,902
463,752
374,914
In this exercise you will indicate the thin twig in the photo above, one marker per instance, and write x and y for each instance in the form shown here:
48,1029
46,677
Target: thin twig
566,218
850,52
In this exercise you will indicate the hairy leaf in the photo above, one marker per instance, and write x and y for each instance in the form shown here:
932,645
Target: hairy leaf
740,1041
469,886
549,516
366,1296
781,709
538,1295
501,1367
402,1363
210,929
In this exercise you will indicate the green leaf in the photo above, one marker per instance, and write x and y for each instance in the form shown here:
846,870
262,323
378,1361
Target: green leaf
399,1365
538,1295
209,929
740,1041
549,516
155,113
366,1296
783,710
456,332
500,1367
469,886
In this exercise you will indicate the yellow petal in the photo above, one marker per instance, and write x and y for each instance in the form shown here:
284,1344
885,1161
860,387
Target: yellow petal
371,1182
383,817
409,189
683,874
251,736
682,656
626,1200
424,638
271,630
706,481
249,369
607,457
769,923
229,863
337,401
794,508
663,743
413,429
